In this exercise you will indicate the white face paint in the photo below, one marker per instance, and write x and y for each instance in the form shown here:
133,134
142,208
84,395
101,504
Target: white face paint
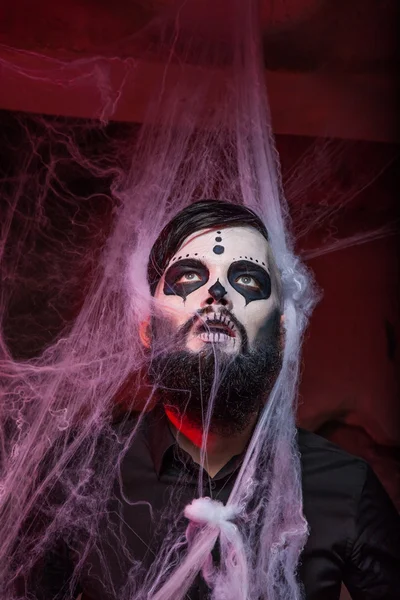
219,272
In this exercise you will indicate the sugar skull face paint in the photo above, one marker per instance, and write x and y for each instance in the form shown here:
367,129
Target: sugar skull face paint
219,281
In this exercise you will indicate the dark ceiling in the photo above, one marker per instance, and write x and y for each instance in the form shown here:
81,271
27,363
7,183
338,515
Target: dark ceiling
330,65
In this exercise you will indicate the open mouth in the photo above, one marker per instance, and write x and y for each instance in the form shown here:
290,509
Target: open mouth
218,328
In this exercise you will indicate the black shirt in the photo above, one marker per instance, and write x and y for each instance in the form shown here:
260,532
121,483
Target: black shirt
354,528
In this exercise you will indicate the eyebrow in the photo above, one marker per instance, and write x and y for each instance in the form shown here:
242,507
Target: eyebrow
251,266
188,262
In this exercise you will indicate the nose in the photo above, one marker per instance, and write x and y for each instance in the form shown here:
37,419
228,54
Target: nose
217,294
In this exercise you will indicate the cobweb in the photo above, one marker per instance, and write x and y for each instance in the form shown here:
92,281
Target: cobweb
82,202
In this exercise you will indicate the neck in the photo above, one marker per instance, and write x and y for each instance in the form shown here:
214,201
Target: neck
218,449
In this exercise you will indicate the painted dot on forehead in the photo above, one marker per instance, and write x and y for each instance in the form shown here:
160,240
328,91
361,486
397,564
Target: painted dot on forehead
218,249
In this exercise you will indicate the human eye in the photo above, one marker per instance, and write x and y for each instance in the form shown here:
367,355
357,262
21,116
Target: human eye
184,277
190,277
248,281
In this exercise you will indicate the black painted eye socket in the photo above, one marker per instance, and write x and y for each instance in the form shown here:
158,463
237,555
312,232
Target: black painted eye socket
184,277
250,280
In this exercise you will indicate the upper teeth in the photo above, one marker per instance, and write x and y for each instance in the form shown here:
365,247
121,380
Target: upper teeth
215,337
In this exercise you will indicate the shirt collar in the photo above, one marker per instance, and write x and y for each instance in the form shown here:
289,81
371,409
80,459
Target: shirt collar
160,436
161,439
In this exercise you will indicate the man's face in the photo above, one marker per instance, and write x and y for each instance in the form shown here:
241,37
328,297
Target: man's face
217,288
216,331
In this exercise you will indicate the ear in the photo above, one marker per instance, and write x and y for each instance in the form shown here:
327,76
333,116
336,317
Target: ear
145,333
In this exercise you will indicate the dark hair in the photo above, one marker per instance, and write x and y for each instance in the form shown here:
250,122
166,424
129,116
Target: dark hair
201,215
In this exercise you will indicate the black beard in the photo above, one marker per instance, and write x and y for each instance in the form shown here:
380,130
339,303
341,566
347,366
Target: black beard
236,387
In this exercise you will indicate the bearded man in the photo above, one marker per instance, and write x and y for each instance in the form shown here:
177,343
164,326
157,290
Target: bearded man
214,344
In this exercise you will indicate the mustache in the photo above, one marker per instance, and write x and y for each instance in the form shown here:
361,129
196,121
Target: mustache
202,314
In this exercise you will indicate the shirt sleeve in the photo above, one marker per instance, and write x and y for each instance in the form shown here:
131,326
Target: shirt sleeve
372,567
